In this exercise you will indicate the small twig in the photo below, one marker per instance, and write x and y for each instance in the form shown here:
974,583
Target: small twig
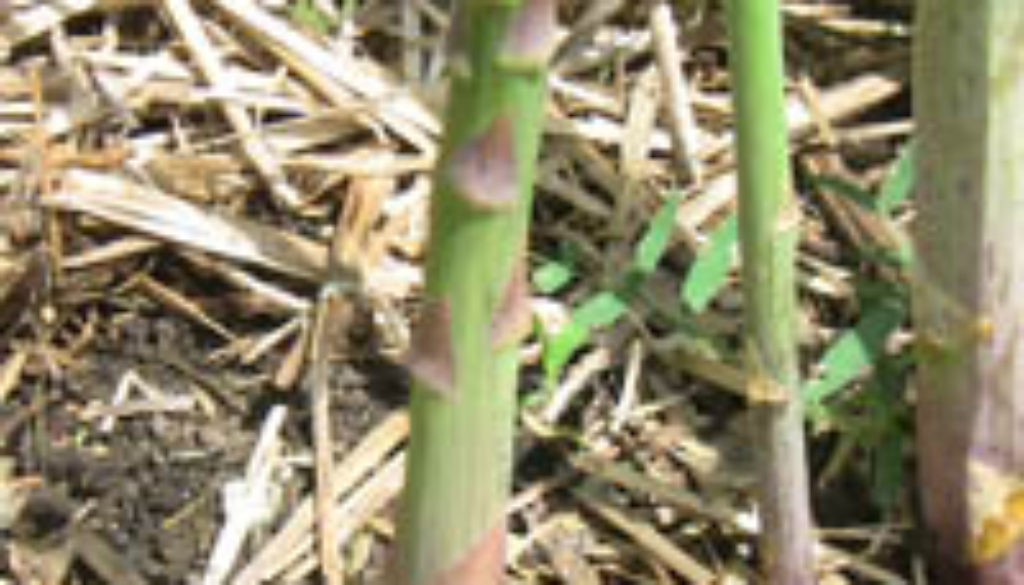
294,537
114,251
269,340
576,380
19,24
628,395
10,372
151,212
270,294
255,148
179,303
334,316
649,539
595,15
121,403
683,128
621,475
333,310
635,152
339,82
247,502
412,29
104,559
357,509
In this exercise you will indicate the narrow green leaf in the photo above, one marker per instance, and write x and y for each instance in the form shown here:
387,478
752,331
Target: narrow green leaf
887,476
656,238
890,414
551,276
854,351
710,271
559,349
898,184
600,310
894,190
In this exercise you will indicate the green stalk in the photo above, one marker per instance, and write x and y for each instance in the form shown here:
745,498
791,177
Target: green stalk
769,230
464,357
969,287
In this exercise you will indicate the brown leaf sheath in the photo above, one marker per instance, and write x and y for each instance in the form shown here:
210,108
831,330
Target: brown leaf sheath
532,36
483,172
483,564
430,357
512,318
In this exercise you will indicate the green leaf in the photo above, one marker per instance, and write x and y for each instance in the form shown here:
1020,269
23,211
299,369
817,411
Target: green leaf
896,188
600,310
854,351
898,184
710,271
887,476
559,349
891,415
551,276
655,241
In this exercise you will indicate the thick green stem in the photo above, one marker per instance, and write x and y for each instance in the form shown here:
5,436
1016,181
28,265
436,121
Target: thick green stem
769,229
969,286
465,351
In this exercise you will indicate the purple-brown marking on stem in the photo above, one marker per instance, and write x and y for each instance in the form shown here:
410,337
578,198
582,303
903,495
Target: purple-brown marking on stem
430,358
483,171
484,563
512,318
532,36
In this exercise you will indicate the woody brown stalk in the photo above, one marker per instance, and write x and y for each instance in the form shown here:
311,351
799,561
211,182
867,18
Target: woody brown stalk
969,288
475,311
